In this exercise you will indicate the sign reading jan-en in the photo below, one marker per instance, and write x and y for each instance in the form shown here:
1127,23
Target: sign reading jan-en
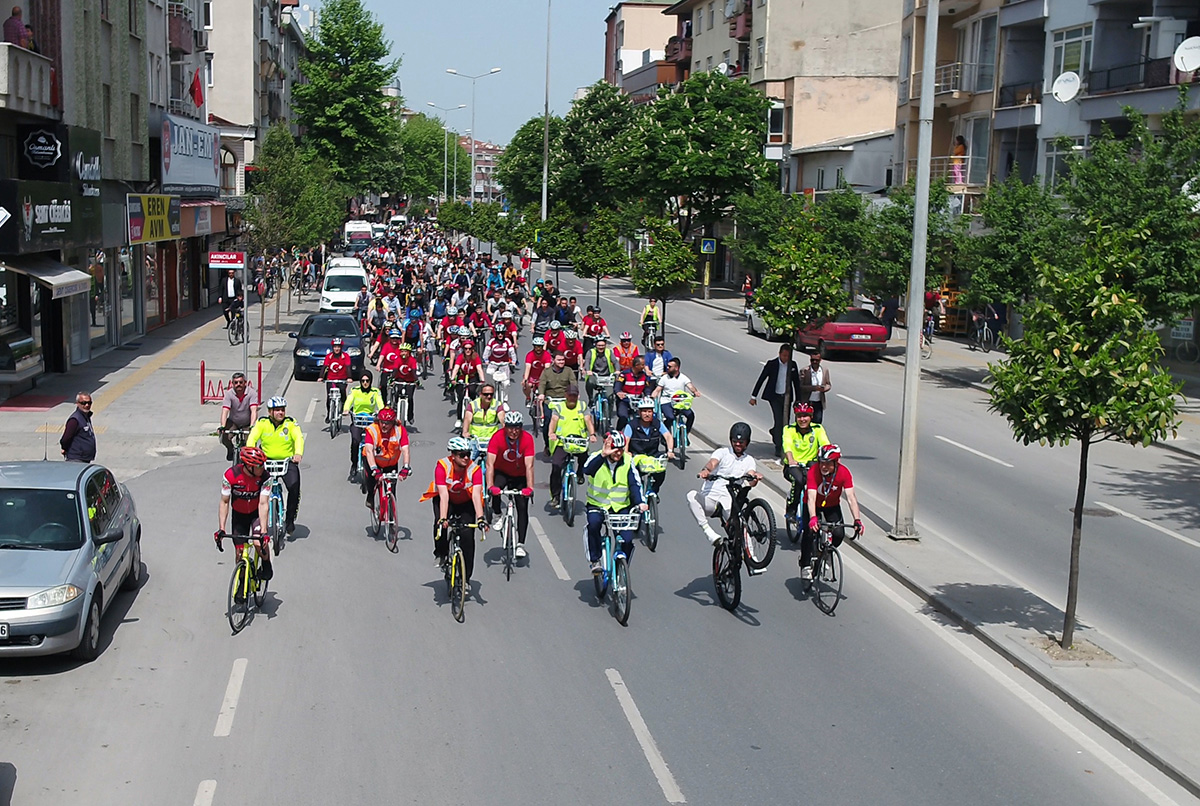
152,217
708,246
190,157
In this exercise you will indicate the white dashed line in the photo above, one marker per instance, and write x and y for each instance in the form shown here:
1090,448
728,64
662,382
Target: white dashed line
560,570
649,748
229,704
980,454
1151,524
204,793
860,403
312,407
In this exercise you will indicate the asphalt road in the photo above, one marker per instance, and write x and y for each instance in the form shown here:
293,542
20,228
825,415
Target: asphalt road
356,686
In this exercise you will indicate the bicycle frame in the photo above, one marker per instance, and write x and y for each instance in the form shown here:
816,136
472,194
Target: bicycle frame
276,469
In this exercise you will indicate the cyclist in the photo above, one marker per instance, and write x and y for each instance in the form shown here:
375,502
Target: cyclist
731,462
633,383
508,326
535,362
614,486
483,417
335,371
645,436
656,359
280,437
571,347
669,384
384,446
501,357
828,480
801,442
568,419
362,400
556,379
543,315
456,489
467,371
239,409
362,301
407,371
243,491
650,318
626,351
390,359
555,337
510,467
599,368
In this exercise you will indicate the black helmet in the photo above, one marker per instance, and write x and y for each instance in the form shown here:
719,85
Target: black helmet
739,432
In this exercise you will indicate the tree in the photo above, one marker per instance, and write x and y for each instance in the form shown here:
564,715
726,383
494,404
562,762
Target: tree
600,252
559,237
888,240
759,215
519,168
597,123
666,267
347,118
841,219
455,216
425,151
1087,368
296,200
806,280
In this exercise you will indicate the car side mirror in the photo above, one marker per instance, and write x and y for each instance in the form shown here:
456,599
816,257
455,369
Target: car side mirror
293,335
111,535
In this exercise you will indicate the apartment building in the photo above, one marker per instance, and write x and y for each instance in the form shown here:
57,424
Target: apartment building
635,35
487,155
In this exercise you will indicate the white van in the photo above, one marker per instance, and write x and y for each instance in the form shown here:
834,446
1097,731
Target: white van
341,285
358,235
397,221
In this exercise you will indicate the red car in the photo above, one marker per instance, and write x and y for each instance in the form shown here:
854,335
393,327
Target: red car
853,330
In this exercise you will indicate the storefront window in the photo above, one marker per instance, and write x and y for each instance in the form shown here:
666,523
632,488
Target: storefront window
125,280
100,300
155,287
20,323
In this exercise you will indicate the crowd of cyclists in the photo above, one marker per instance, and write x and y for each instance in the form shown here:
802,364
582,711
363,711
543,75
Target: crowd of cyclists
438,316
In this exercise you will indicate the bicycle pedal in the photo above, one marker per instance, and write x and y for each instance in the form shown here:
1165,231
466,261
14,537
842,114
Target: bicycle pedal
755,572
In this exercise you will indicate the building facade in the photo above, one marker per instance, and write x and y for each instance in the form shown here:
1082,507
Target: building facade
635,35
487,155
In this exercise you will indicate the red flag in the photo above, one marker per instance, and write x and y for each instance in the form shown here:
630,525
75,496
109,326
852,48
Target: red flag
197,90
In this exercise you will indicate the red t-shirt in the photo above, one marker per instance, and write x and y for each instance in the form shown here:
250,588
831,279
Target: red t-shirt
337,367
594,325
406,370
571,351
829,491
537,363
447,321
389,358
510,458
459,485
500,351
465,367
554,340
243,489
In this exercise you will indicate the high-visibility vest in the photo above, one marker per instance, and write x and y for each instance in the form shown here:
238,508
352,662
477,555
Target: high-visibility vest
609,489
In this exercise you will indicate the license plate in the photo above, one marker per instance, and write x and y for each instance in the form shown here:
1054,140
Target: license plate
3,631
860,335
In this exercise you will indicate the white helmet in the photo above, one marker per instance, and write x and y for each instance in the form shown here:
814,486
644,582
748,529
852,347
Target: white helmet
514,418
458,444
452,310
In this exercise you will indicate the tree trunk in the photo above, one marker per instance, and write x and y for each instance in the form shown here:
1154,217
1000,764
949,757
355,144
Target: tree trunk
1068,636
597,291
664,318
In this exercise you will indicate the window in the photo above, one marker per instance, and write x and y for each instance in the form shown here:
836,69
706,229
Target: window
1056,157
699,21
760,51
228,172
820,179
977,50
621,35
712,14
775,120
207,12
133,16
104,11
708,63
208,69
136,124
840,177
725,58
1072,51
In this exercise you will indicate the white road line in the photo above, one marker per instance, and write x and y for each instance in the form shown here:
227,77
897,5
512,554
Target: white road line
1040,708
204,793
312,407
1151,524
229,704
560,570
860,403
673,325
666,780
980,454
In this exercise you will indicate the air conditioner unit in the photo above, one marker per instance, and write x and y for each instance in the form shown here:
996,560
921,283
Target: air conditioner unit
201,39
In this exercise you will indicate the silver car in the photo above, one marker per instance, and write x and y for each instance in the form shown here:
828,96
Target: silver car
69,540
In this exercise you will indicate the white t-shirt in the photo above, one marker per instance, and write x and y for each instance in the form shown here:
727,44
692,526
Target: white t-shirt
671,385
729,465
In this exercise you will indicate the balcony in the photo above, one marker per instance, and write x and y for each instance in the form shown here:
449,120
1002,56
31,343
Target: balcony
679,49
1018,105
180,29
947,8
953,83
969,173
1023,12
1148,85
27,83
740,24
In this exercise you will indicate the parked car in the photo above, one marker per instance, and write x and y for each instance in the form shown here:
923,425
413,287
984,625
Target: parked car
853,330
312,343
70,538
755,326
340,286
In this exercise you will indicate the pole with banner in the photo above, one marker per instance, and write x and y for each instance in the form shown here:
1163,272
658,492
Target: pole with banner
222,262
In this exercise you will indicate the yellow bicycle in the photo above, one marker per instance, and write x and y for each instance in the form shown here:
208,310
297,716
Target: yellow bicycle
247,584
453,532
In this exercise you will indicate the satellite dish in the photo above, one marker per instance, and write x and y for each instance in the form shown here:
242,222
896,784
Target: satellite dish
1187,55
722,68
1066,87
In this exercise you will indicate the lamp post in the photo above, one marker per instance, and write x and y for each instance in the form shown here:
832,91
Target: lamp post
454,72
446,110
457,147
546,145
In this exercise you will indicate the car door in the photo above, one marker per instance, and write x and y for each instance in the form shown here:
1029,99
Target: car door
106,558
119,515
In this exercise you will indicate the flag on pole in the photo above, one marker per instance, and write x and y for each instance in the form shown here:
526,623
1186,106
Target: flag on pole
197,90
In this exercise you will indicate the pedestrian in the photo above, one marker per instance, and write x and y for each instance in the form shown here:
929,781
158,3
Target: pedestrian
814,383
78,441
888,312
14,27
779,379
958,160
748,290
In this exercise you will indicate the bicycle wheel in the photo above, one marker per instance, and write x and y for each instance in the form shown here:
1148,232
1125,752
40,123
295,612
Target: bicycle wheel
230,331
622,597
387,520
568,496
759,523
458,585
275,526
726,577
510,547
650,522
259,586
827,580
926,347
238,612
600,580
1187,351
793,526
987,339
681,446
376,514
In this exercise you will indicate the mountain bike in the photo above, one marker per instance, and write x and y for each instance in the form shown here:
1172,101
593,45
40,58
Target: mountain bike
827,576
508,529
575,447
646,466
400,399
614,565
681,401
333,409
237,438
236,328
276,514
383,512
750,538
601,405
246,586
456,574
982,336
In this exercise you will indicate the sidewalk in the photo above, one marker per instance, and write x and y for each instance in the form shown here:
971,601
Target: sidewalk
146,399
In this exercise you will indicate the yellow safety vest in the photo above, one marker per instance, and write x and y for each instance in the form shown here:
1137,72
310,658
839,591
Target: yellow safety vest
484,423
609,489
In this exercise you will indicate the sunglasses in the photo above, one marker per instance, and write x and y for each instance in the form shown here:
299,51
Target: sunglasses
85,403
460,454
487,394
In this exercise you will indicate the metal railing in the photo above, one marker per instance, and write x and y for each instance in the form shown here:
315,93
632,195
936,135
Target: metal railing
1023,94
953,77
955,171
1142,74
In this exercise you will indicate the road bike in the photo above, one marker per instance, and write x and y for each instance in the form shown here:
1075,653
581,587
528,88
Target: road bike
614,565
237,438
400,399
647,466
827,576
982,336
508,529
649,334
500,376
333,408
362,421
456,574
535,410
680,402
276,513
749,538
575,447
383,509
428,348
236,328
246,586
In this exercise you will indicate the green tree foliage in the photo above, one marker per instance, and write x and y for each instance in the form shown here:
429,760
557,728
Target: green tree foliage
587,179
560,239
1087,368
841,219
455,216
759,215
426,149
519,168
887,252
806,280
667,266
600,252
347,119
296,200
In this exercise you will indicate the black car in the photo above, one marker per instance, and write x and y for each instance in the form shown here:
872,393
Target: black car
313,343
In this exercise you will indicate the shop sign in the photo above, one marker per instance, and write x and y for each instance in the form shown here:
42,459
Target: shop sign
46,215
223,261
152,217
190,157
84,147
42,152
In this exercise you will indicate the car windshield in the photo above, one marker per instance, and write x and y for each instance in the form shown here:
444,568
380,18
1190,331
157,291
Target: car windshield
329,326
859,316
40,520
343,282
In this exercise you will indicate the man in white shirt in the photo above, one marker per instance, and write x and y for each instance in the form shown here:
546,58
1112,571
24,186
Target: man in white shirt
671,382
724,464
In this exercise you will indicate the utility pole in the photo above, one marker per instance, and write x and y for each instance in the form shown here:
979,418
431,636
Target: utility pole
546,143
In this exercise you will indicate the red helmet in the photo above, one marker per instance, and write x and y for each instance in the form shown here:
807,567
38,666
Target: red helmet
829,453
337,342
803,408
386,417
251,456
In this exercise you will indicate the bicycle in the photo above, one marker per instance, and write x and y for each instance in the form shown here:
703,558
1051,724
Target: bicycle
794,521
750,539
400,399
649,334
681,401
236,328
827,567
456,575
648,527
508,530
982,336
601,405
333,409
927,338
276,514
428,348
362,422
575,447
237,438
383,514
614,565
246,583
1187,351
535,410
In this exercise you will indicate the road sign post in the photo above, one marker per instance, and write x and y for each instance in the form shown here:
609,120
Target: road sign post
708,246
224,261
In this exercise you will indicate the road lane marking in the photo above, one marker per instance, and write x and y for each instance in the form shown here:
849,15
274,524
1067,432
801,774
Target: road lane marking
312,407
860,403
944,632
560,570
658,765
980,454
229,705
1151,524
677,327
204,793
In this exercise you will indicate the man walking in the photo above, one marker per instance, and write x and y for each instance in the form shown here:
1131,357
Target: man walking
778,379
814,383
78,441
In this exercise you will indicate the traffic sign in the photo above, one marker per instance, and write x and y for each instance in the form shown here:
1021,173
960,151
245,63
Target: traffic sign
227,260
537,236
708,246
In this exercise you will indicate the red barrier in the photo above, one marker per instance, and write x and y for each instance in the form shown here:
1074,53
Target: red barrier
214,391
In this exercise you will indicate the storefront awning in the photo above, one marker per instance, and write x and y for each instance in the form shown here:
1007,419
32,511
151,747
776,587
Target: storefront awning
63,281
202,217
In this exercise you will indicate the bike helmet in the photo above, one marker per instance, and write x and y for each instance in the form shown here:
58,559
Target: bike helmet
386,416
555,325
570,333
618,439
337,342
468,343
405,347
829,453
277,402
453,330
394,333
251,456
739,432
458,444
514,418
452,311
802,408
646,403
626,337
506,315
538,341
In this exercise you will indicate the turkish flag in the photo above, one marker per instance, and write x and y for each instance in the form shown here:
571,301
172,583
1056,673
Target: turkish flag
197,90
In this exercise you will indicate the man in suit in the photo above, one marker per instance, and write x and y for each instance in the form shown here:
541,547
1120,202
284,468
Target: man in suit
231,292
779,379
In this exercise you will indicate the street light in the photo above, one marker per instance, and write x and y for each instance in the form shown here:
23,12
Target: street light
546,146
445,110
454,72
457,148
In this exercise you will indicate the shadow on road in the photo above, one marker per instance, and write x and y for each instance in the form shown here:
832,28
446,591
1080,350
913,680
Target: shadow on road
701,591
1170,489
8,782
996,604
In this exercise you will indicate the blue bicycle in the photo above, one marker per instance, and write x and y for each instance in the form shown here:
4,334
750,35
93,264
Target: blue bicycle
614,565
276,514
601,405
575,448
681,401
362,421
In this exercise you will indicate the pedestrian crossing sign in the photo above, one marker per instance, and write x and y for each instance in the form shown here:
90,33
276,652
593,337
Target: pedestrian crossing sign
708,246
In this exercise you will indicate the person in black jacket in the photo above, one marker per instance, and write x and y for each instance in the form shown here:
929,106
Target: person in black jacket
78,441
231,293
779,378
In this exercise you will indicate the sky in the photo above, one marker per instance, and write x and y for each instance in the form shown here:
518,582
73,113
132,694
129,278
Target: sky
473,36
